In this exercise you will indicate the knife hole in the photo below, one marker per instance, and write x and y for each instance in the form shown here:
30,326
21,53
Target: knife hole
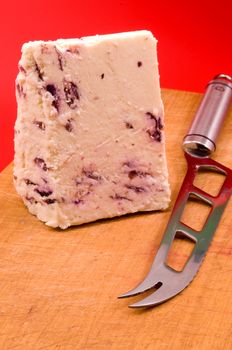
196,212
209,180
180,251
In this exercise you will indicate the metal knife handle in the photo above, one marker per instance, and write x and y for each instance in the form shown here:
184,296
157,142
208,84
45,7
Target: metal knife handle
201,138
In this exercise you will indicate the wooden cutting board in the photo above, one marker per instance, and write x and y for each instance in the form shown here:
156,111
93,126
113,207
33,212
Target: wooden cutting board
59,288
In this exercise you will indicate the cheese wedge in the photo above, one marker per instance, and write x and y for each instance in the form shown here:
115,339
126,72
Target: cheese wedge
89,139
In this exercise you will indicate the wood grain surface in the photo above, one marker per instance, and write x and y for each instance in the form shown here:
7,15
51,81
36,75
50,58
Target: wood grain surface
59,288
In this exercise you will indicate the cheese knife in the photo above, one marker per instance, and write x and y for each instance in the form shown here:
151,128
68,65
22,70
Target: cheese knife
198,145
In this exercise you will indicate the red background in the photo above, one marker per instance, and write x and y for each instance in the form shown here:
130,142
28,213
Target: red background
194,40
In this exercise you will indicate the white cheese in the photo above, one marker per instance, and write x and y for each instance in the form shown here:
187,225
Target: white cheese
89,139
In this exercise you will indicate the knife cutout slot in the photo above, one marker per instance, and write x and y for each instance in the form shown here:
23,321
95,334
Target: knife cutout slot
180,251
210,179
196,212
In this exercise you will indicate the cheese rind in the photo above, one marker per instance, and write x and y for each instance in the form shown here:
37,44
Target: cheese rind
89,139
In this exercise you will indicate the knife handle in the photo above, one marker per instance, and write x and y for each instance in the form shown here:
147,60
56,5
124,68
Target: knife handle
201,138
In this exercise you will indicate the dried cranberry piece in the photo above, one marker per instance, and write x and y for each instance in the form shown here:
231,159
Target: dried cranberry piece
22,69
50,201
134,173
155,132
74,50
156,119
136,189
41,163
43,192
129,125
29,182
60,58
90,174
40,124
69,125
159,124
31,200
116,196
20,90
78,201
151,115
53,91
38,71
71,94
